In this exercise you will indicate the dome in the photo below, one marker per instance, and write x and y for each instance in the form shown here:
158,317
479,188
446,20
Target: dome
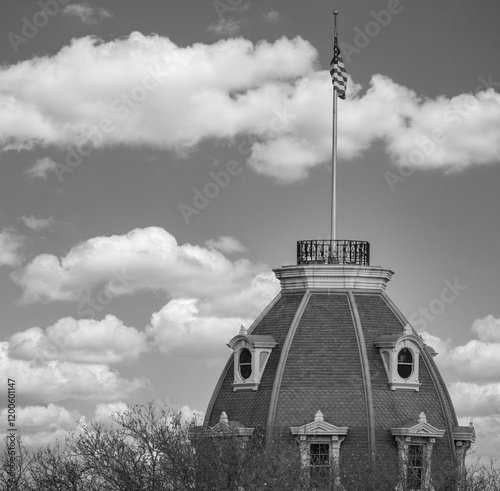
332,343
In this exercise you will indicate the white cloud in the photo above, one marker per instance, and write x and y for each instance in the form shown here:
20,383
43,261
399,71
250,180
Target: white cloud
41,168
56,381
91,81
226,244
83,341
473,399
189,415
148,259
487,430
272,17
35,223
476,360
487,329
87,14
11,247
148,91
473,375
181,330
44,425
225,27
103,412
44,418
249,88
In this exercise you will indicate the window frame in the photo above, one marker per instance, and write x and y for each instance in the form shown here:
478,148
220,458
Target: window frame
390,346
418,466
405,364
320,469
246,364
260,348
413,434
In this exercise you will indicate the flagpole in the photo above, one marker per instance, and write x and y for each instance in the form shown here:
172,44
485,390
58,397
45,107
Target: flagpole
333,224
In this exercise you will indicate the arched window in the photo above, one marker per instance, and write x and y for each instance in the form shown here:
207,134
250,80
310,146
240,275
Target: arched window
405,363
245,362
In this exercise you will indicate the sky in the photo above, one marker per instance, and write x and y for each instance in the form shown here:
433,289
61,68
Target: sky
159,158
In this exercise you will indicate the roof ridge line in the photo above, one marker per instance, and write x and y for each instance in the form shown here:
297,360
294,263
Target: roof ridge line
365,369
278,377
437,379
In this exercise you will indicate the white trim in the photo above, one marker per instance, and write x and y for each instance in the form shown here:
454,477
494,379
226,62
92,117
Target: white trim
332,277
389,347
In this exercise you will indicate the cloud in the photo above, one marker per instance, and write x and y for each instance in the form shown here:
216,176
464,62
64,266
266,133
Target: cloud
272,17
103,412
476,360
44,418
145,90
181,330
87,14
37,223
152,91
82,341
487,436
473,399
44,425
472,373
226,244
189,415
41,168
225,27
487,329
11,247
147,259
55,381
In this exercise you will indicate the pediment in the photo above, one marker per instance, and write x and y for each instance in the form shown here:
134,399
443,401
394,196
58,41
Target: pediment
319,427
420,428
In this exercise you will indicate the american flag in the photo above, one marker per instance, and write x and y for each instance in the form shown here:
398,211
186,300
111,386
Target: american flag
338,71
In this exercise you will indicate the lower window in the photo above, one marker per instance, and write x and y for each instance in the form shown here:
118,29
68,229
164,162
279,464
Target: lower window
319,463
415,468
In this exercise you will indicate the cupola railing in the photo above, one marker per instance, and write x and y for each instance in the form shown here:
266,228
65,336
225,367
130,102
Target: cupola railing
333,252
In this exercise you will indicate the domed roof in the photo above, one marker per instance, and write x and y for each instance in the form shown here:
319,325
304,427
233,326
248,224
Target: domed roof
337,338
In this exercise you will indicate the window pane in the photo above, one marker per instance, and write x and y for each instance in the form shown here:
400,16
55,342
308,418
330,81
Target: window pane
319,464
320,453
415,466
405,363
245,363
245,356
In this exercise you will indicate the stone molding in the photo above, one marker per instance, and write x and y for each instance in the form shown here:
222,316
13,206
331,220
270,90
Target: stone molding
332,277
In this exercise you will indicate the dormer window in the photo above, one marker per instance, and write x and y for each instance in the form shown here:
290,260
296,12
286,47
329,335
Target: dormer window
415,440
319,445
405,363
400,355
245,359
251,353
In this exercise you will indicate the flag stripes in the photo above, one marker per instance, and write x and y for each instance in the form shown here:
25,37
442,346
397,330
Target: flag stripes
338,71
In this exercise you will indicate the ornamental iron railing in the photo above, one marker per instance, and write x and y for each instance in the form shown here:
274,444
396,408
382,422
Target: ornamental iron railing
333,252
